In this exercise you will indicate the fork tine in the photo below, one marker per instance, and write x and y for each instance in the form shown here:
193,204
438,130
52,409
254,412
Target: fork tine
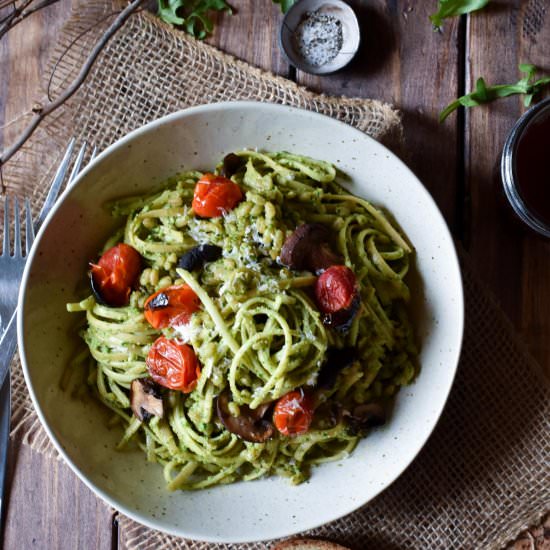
77,164
29,229
17,229
93,155
56,185
6,240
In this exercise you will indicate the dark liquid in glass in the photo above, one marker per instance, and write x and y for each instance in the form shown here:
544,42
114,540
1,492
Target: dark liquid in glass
533,168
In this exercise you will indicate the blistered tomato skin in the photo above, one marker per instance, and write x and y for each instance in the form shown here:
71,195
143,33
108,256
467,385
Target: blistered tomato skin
172,365
171,306
215,196
336,289
116,273
293,413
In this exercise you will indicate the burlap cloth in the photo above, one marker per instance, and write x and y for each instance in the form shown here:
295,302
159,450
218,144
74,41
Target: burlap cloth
484,474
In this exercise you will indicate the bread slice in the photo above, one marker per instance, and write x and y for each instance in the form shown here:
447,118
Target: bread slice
308,544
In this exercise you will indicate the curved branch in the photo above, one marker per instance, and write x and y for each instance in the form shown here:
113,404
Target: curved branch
41,111
20,13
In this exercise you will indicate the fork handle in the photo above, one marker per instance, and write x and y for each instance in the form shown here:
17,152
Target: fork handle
8,345
5,416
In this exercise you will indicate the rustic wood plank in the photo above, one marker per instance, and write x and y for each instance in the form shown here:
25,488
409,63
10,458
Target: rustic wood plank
402,60
19,81
251,34
513,262
49,507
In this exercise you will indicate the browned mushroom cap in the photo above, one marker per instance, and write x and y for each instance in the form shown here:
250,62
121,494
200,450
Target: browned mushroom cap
232,163
368,415
328,415
308,248
145,399
250,425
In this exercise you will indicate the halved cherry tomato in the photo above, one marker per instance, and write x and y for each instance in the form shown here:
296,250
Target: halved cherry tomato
215,195
171,306
293,413
116,272
335,289
173,365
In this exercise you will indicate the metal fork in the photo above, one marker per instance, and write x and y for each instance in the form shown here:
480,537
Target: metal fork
8,340
11,271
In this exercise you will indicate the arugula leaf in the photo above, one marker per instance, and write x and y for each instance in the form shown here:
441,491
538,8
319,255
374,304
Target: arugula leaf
485,94
450,8
192,15
167,11
285,4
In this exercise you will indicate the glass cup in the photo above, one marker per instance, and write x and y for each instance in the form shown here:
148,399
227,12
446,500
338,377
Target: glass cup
509,172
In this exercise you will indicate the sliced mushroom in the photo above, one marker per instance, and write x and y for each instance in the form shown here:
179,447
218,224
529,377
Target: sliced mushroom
146,399
368,415
337,360
198,256
342,319
327,416
232,163
250,425
308,248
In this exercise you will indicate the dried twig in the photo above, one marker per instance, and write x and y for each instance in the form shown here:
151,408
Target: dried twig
21,12
7,21
71,44
41,111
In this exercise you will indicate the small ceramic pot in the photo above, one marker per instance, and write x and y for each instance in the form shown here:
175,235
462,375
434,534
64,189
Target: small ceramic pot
335,8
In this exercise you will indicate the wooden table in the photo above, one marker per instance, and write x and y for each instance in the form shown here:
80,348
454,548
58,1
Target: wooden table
402,61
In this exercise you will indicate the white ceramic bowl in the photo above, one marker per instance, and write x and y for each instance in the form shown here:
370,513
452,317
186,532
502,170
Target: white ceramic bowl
78,226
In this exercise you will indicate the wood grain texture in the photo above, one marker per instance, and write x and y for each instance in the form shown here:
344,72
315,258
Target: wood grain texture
48,505
251,34
24,53
49,508
515,263
402,60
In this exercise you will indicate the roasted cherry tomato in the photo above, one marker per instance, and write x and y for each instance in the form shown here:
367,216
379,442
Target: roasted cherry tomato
173,365
335,289
116,272
293,413
215,195
171,306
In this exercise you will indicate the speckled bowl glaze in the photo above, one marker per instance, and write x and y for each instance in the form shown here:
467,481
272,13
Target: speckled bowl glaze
78,226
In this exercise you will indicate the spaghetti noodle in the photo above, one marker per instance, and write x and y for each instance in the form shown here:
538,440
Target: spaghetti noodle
258,334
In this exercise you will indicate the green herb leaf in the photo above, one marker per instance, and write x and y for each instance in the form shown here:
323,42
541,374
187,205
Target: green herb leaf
285,4
451,8
485,94
167,11
192,15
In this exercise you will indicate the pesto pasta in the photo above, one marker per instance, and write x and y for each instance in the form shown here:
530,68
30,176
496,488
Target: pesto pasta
258,332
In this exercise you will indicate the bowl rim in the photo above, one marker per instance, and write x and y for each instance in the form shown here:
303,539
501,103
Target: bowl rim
240,105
